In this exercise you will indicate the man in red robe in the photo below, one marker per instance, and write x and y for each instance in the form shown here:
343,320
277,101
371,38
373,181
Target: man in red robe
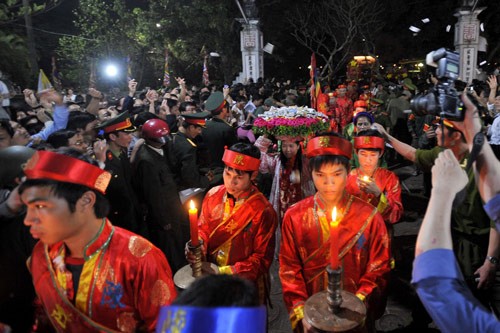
237,224
89,275
362,237
344,110
378,186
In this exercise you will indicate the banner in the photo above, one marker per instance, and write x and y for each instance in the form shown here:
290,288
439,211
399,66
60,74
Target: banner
43,82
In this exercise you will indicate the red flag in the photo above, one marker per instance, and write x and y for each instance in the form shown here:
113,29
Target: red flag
312,74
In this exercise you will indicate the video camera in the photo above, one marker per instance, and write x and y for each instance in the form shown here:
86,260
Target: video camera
443,99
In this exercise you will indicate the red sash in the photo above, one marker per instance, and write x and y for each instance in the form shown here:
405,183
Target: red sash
64,316
235,223
347,239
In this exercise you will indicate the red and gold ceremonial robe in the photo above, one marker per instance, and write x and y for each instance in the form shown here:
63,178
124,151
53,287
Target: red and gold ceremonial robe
305,252
389,203
124,282
239,236
344,112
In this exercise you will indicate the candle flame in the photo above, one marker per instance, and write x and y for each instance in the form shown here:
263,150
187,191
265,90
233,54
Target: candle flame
334,222
366,178
191,205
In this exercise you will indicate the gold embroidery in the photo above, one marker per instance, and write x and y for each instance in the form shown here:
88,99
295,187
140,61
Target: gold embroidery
102,181
107,273
175,322
324,141
238,159
126,322
138,246
31,162
60,316
160,294
366,140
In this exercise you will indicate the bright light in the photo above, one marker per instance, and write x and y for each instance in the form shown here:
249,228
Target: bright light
481,26
158,25
420,64
482,63
111,70
214,54
414,29
426,20
448,28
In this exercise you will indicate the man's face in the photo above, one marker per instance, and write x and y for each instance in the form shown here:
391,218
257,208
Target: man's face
5,139
122,139
193,131
444,134
330,181
341,92
77,142
368,160
48,216
190,109
21,136
236,184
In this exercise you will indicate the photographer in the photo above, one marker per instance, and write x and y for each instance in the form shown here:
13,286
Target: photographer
494,111
436,274
476,242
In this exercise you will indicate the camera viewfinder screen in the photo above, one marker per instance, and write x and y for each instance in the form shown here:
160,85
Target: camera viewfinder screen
451,67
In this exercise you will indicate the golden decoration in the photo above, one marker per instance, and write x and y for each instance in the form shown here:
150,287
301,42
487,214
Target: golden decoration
126,322
160,294
102,181
138,246
107,274
324,141
238,159
30,164
60,316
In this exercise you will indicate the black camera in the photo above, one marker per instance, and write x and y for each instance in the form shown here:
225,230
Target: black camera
442,99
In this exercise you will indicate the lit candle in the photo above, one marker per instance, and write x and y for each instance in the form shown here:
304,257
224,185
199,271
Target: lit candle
366,178
334,240
193,224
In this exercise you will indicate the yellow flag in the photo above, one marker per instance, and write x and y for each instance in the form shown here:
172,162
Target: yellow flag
43,82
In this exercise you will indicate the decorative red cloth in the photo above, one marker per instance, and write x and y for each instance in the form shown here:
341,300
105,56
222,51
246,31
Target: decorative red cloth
239,236
124,282
390,206
305,252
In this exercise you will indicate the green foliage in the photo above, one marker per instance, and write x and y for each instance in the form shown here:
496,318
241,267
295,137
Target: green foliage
11,10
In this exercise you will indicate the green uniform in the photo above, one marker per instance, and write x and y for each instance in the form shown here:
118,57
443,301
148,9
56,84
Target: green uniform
470,226
185,151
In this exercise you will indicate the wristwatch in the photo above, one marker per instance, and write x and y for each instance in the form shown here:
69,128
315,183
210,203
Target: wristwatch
493,260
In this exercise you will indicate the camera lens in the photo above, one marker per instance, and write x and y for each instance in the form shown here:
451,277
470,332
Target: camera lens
424,104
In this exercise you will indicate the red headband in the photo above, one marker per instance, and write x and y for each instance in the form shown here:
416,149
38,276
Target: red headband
240,161
120,126
370,142
329,145
62,168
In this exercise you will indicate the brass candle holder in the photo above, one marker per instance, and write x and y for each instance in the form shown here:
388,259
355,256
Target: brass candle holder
334,309
187,274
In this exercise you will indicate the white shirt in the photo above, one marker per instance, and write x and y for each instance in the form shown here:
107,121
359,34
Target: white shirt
494,131
4,91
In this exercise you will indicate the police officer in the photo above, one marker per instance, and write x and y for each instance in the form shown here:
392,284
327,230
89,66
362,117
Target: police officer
122,198
185,151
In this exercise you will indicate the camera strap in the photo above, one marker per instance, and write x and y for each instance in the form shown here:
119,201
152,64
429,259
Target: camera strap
477,145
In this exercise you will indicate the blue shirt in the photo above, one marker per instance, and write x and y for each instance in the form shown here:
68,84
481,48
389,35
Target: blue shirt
492,208
442,289
61,115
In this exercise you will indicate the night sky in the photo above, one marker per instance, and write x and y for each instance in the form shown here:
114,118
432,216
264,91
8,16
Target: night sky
395,42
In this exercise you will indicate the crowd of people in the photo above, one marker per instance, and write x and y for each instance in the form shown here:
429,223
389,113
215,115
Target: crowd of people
97,181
